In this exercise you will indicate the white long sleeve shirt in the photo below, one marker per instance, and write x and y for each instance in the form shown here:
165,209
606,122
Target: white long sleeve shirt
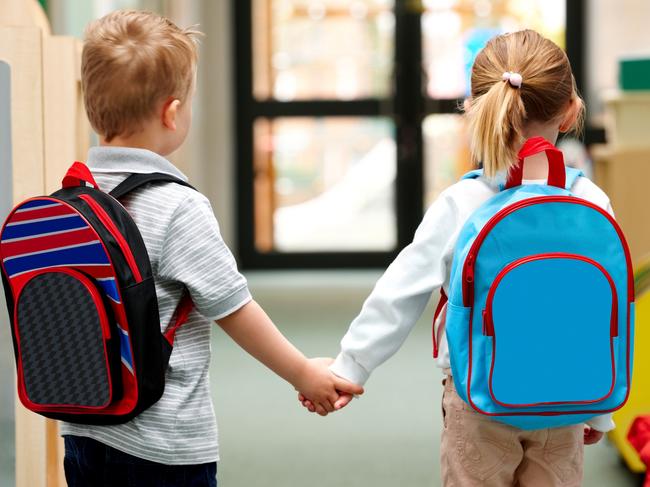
401,294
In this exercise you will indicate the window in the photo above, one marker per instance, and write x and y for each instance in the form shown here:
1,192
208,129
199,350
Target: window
347,117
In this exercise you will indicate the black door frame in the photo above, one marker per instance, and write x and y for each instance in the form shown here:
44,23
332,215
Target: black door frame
407,107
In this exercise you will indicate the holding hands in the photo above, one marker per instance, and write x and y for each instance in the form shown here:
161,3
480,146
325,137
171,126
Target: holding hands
321,391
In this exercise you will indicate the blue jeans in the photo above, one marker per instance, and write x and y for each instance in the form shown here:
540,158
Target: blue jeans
89,463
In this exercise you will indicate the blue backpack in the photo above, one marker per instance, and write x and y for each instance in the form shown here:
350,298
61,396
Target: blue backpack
540,317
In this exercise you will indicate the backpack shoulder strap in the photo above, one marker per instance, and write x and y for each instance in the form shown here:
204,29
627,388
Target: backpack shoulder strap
135,181
131,183
477,173
572,174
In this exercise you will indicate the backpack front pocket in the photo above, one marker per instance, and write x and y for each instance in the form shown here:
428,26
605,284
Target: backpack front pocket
67,350
553,321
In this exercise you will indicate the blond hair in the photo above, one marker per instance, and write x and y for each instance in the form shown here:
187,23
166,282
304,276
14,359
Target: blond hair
498,111
131,62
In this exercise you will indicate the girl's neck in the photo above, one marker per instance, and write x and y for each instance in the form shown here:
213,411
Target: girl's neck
536,167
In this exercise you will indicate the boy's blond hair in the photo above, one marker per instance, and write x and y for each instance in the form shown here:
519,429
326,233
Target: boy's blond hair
132,61
498,111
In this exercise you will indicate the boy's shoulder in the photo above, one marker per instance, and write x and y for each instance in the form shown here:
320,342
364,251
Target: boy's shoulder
160,201
180,200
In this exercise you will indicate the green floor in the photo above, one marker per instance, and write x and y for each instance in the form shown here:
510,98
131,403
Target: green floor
389,437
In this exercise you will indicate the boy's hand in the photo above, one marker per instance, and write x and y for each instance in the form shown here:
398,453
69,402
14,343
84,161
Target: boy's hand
322,387
592,436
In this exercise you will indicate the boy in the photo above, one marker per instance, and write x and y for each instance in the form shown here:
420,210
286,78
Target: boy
138,73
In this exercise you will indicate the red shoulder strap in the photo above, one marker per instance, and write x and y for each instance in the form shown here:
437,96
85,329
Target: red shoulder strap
535,145
436,333
180,316
77,175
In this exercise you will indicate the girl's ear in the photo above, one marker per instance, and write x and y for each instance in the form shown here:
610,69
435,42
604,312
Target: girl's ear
467,104
571,115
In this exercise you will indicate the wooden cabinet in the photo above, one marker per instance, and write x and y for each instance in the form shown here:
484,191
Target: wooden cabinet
622,168
624,174
47,130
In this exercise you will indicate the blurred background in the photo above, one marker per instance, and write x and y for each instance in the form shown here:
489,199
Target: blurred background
323,129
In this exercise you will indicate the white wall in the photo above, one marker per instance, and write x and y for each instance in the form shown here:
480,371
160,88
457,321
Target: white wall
615,28
214,163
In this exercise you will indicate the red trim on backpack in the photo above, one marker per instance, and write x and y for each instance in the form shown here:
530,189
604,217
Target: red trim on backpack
468,293
181,314
106,334
437,335
119,238
468,267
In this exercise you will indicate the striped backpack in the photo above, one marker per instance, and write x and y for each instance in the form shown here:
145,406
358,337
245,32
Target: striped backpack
540,317
82,303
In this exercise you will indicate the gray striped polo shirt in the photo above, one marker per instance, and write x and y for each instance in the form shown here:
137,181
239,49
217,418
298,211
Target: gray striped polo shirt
186,249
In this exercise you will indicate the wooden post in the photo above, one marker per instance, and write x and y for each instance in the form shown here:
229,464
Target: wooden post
48,132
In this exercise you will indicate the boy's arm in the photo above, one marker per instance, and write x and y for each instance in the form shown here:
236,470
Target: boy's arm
194,254
254,331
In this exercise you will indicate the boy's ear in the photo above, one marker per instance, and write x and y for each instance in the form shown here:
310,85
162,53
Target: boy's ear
169,112
570,115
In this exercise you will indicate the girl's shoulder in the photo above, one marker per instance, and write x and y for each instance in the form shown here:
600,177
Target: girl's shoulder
586,189
470,193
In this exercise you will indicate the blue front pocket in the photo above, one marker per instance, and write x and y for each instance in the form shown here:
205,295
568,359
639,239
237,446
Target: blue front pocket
553,322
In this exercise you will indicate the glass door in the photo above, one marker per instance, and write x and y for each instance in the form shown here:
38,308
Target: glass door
453,32
316,136
348,121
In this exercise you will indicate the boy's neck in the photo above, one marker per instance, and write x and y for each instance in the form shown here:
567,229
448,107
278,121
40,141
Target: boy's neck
140,140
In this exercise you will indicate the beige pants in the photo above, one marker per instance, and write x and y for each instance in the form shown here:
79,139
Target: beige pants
478,451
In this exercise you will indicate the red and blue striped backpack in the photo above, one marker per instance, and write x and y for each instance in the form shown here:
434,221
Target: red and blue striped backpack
540,317
82,303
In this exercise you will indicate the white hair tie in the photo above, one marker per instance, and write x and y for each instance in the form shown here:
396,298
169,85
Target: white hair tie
514,79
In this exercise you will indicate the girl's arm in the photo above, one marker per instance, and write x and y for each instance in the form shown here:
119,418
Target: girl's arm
254,331
400,295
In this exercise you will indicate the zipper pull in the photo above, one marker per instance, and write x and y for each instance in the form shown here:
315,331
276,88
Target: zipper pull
469,263
468,278
488,325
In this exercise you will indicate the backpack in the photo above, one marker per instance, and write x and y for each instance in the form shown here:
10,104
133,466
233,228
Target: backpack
82,303
540,315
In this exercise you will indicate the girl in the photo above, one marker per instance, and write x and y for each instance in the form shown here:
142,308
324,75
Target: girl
522,87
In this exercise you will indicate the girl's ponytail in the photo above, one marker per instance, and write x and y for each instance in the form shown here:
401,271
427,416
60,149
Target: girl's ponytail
502,102
496,124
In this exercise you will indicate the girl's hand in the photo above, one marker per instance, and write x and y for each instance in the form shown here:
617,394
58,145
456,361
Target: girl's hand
592,436
343,400
323,388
